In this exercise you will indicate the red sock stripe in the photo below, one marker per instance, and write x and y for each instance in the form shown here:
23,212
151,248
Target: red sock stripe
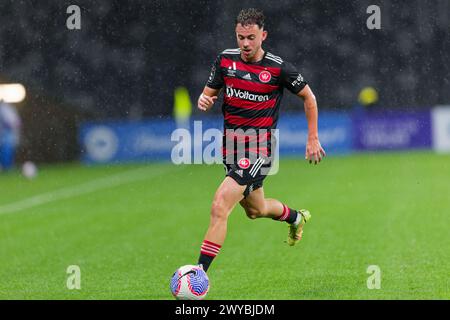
285,214
210,248
212,244
208,253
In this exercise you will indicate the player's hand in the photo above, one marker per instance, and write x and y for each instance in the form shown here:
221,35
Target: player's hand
205,102
314,151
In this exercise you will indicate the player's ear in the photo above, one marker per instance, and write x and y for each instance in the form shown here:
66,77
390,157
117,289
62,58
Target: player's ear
264,35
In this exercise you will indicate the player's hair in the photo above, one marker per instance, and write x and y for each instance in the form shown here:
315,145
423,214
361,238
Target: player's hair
251,16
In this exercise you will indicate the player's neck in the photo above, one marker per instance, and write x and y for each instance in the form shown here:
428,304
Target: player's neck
256,58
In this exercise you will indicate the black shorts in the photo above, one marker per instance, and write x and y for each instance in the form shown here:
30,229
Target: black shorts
248,174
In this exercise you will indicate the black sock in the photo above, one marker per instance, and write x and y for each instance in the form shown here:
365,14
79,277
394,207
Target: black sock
208,252
205,261
292,216
289,215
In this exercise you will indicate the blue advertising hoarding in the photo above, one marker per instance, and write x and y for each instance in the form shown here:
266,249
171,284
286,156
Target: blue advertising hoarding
107,142
158,139
393,131
335,133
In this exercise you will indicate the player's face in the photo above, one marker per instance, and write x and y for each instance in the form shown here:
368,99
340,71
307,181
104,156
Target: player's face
250,38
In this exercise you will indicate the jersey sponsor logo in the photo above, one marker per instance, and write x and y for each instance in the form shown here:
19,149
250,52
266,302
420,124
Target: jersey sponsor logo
244,163
265,76
245,95
247,77
239,172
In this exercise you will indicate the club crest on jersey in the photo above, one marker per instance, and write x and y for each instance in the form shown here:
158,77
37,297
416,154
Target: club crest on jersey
244,163
265,76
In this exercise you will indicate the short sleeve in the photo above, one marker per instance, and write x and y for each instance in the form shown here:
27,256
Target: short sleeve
291,78
215,80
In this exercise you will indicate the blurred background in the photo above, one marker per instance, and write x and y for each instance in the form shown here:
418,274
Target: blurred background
75,101
129,57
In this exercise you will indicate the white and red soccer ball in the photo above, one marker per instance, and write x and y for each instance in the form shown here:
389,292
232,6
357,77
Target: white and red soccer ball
189,282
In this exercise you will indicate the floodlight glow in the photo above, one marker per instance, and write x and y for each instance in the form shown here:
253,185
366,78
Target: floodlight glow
12,93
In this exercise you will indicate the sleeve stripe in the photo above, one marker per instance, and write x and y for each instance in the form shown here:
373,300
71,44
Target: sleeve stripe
232,51
274,56
277,61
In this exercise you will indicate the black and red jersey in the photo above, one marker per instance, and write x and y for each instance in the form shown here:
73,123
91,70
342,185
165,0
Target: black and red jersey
252,92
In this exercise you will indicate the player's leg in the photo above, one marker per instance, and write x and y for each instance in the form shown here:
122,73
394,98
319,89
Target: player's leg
257,206
227,196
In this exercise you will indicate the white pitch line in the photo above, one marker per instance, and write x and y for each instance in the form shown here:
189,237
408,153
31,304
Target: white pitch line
81,189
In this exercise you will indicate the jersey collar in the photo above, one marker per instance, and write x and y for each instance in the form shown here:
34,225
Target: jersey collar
254,63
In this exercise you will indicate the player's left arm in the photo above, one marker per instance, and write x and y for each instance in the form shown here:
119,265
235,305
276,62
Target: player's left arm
292,80
314,151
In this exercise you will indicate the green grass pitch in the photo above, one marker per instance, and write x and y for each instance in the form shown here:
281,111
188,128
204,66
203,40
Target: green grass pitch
129,227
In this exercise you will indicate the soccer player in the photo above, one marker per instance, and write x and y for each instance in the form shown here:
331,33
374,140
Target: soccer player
253,80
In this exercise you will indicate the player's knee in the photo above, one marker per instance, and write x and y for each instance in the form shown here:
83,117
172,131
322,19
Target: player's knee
254,213
219,210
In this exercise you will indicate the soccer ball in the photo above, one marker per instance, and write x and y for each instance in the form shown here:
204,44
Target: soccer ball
189,283
29,170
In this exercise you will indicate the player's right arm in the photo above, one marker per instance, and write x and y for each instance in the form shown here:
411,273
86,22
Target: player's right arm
212,88
207,98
